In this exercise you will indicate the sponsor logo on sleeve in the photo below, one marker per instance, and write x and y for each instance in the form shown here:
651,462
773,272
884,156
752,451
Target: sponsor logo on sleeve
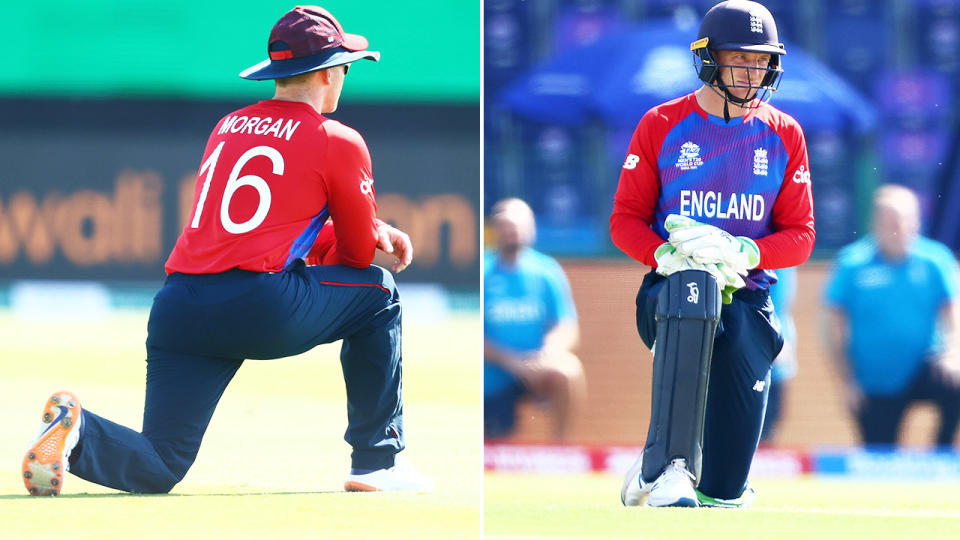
631,161
366,185
801,175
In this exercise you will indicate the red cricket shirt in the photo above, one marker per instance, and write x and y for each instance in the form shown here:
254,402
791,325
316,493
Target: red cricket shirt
273,176
749,176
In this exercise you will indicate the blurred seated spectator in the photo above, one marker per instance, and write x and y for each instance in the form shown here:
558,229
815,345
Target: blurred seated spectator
530,328
892,305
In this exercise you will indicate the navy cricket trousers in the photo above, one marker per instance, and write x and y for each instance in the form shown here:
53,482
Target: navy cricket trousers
201,329
748,339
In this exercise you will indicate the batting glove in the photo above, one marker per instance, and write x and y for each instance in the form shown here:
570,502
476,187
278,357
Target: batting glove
708,244
670,260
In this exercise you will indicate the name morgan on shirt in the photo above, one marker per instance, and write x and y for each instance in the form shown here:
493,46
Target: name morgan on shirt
281,128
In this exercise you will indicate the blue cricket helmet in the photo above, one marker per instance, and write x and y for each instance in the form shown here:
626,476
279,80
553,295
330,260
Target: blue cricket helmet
738,25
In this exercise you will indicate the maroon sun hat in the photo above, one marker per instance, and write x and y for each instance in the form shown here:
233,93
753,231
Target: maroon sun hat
308,38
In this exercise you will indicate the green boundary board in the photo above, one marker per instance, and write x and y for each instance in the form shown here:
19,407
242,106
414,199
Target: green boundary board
431,49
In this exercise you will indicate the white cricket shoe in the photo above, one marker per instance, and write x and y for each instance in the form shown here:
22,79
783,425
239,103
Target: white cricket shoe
401,477
634,491
674,486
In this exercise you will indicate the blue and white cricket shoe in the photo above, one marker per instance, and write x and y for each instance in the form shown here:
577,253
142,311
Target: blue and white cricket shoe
634,491
674,487
401,477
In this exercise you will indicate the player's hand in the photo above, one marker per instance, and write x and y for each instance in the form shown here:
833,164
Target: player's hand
708,244
670,260
393,241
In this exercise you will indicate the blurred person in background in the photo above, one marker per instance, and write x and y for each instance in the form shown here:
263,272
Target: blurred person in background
782,293
530,328
892,331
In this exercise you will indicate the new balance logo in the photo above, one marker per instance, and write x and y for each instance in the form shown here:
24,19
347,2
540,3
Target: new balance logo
759,385
694,296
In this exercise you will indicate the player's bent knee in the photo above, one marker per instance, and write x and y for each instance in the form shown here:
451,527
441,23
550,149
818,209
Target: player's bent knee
160,486
687,315
694,293
385,277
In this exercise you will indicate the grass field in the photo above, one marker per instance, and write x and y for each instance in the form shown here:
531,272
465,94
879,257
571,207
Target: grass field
273,460
519,506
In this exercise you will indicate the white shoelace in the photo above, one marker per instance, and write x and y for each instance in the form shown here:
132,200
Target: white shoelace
678,467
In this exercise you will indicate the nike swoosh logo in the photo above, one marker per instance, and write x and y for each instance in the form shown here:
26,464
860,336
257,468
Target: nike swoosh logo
63,412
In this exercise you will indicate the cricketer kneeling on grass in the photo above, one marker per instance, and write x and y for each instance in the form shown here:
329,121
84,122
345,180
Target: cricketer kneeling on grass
714,194
259,272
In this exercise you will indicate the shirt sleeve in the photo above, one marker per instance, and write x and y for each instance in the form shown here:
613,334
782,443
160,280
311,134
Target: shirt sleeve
350,199
792,215
635,202
324,246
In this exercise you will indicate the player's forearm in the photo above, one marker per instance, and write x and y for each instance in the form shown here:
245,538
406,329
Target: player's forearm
323,246
354,259
635,201
787,247
356,244
326,248
634,236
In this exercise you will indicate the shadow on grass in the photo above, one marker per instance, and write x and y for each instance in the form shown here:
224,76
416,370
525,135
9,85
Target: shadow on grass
155,495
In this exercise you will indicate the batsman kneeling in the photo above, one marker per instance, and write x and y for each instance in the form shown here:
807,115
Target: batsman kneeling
714,195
